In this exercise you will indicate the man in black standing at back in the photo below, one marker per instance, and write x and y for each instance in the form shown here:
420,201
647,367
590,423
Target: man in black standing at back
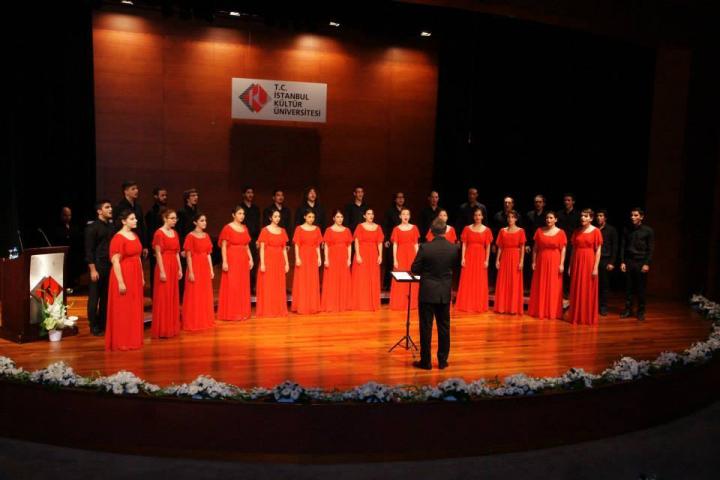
153,221
608,255
252,222
429,213
131,192
390,221
185,215
355,210
434,263
638,243
97,256
278,205
466,210
568,219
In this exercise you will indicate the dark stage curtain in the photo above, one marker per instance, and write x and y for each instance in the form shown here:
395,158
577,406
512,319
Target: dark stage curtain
49,153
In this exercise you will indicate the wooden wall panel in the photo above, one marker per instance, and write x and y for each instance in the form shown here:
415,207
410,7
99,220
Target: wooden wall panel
163,114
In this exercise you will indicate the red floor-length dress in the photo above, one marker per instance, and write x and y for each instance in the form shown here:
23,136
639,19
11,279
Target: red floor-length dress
366,275
472,295
509,283
234,296
124,329
166,295
450,235
337,279
406,241
306,278
546,293
271,287
197,309
583,284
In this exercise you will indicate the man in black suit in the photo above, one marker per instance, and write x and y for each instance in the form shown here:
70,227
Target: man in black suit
434,263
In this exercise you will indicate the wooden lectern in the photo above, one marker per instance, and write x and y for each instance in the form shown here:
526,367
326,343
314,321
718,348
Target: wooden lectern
19,311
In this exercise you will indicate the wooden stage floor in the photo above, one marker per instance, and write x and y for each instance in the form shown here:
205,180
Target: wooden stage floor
329,350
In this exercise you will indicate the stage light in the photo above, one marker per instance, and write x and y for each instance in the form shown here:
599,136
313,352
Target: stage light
334,24
425,33
234,14
127,2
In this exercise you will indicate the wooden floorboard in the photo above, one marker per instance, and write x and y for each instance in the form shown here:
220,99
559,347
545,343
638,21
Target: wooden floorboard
348,349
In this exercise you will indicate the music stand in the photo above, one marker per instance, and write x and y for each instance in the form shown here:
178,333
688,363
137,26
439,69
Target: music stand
409,278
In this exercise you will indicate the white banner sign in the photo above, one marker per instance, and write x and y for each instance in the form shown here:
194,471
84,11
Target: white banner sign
278,100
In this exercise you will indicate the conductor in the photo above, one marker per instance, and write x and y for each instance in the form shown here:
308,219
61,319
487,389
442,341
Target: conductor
434,263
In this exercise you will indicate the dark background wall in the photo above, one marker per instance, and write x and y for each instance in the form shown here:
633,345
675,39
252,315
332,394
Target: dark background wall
616,101
162,93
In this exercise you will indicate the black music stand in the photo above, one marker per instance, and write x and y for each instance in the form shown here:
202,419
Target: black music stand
409,278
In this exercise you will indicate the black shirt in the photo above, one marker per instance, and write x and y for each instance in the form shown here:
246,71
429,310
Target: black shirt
568,221
354,215
252,220
185,222
610,243
638,244
391,220
97,242
140,230
317,209
533,220
153,220
427,215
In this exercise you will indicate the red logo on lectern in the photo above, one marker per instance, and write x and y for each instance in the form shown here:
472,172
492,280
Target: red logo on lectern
254,97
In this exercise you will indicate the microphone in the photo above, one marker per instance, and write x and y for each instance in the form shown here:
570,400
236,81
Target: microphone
45,237
22,248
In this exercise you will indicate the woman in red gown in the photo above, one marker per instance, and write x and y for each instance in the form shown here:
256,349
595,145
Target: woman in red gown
274,265
234,242
366,266
197,311
587,245
168,273
450,234
509,263
548,262
306,279
404,240
125,294
472,295
337,278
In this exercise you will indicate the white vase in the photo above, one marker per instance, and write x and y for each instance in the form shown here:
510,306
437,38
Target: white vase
55,335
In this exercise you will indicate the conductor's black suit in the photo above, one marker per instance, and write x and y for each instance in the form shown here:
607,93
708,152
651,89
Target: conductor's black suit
434,263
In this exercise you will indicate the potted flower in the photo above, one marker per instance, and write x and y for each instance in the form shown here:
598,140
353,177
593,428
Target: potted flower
52,309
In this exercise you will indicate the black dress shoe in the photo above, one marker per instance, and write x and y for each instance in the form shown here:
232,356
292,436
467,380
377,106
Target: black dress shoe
424,366
641,316
443,365
626,313
603,311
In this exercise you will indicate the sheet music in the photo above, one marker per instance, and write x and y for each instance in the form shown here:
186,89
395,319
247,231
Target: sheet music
405,276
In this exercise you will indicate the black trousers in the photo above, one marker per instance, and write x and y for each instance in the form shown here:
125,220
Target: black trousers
635,284
441,312
603,282
98,297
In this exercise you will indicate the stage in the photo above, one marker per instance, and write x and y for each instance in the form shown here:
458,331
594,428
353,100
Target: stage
349,349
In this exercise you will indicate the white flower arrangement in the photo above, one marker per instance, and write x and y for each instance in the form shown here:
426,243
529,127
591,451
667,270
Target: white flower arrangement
59,374
371,392
8,368
627,368
203,387
452,389
288,392
124,383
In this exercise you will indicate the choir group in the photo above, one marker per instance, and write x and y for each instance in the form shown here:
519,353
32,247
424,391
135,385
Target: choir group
350,252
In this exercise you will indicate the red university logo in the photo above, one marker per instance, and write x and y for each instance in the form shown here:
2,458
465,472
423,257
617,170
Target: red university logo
254,97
